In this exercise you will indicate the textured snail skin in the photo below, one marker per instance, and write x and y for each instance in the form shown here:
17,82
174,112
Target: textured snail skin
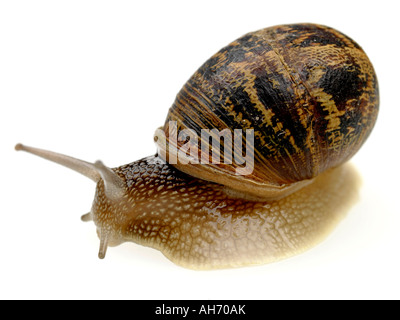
311,96
197,225
309,93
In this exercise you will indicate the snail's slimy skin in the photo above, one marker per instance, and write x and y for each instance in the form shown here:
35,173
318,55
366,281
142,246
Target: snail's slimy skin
310,96
196,225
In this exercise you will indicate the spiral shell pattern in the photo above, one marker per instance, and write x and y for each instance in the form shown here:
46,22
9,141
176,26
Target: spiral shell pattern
308,91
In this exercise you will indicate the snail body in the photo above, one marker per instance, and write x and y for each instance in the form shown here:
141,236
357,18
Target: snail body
309,94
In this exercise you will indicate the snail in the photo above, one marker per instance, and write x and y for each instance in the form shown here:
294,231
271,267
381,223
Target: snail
308,97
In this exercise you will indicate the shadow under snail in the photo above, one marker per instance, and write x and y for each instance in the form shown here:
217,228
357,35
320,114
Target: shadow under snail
310,96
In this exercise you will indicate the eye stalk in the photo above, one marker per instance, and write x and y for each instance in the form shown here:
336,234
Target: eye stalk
85,168
114,185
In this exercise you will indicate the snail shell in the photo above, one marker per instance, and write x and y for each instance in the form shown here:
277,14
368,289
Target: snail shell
311,96
308,91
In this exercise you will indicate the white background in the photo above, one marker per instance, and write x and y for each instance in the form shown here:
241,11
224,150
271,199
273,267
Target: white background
94,79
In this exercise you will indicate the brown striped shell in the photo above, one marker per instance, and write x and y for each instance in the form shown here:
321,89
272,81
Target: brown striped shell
308,91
